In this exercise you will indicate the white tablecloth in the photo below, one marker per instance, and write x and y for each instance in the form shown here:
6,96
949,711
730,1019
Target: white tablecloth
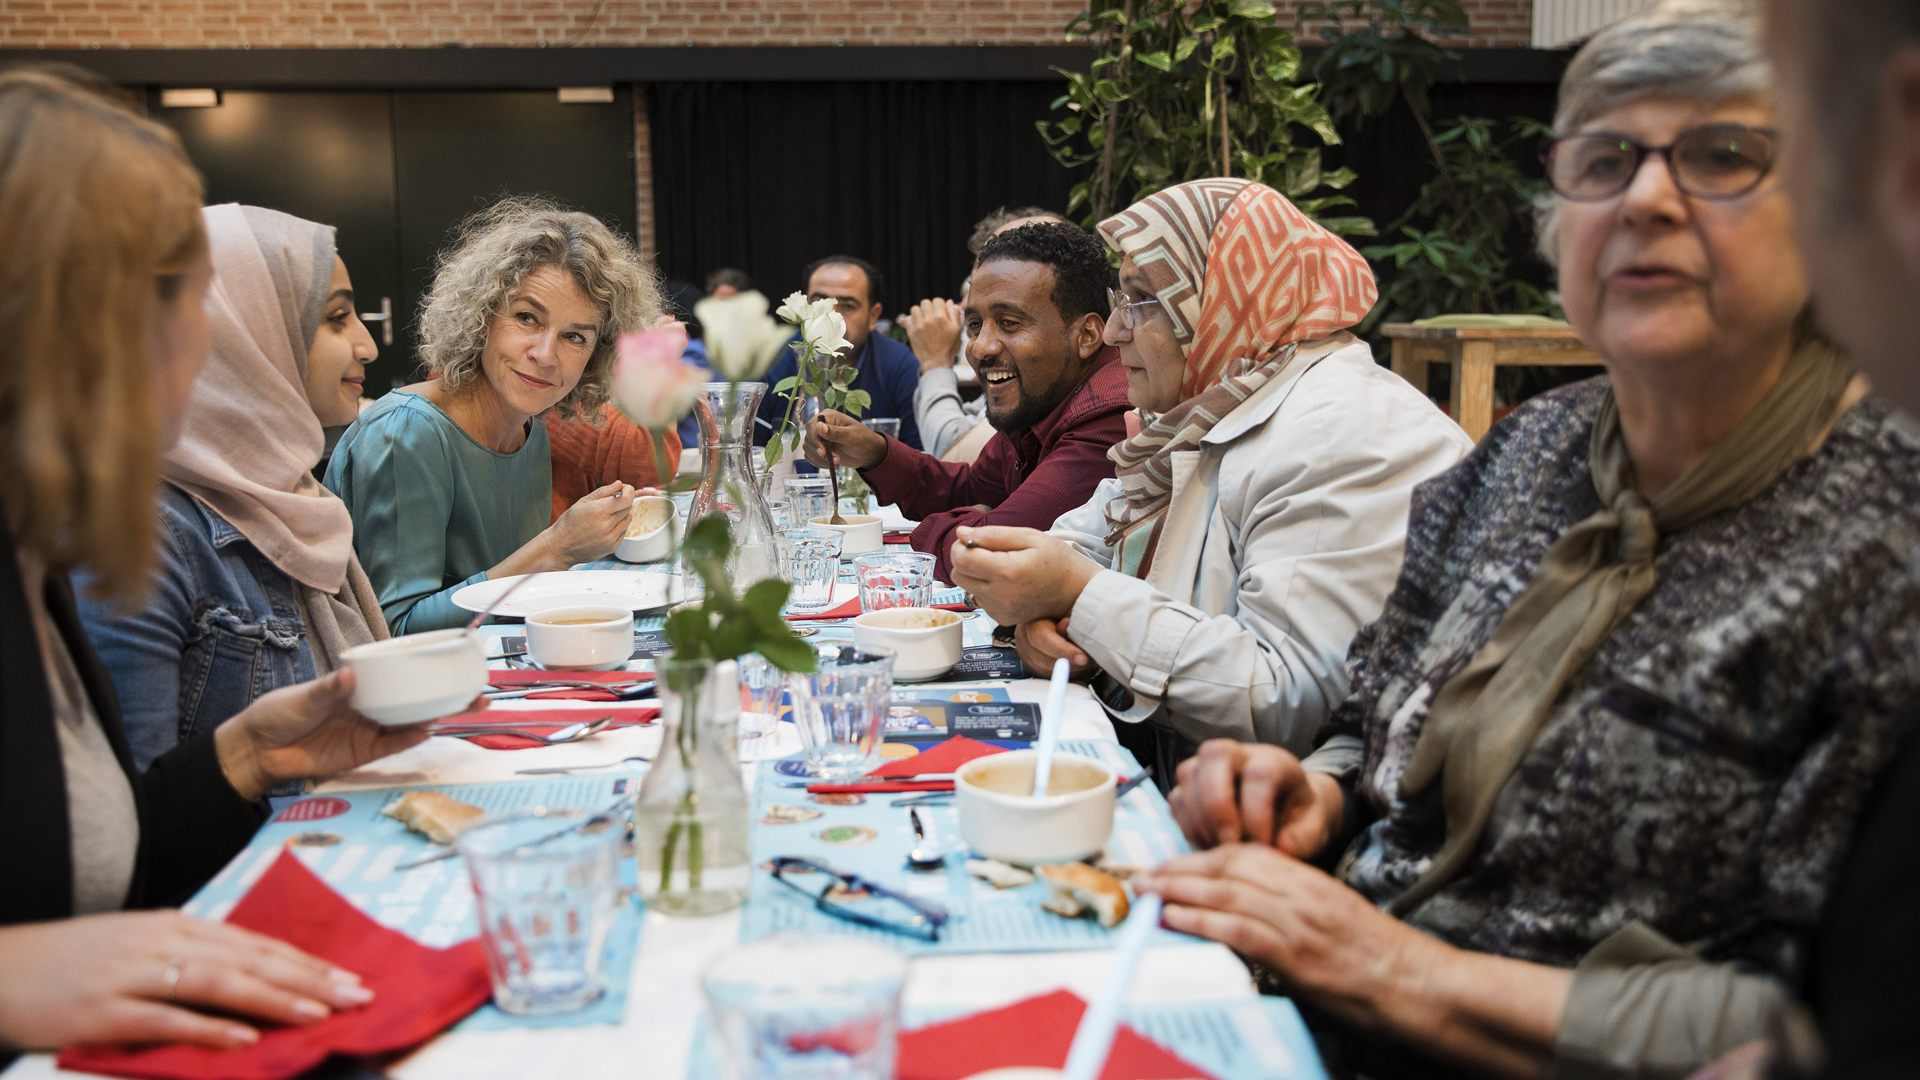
663,999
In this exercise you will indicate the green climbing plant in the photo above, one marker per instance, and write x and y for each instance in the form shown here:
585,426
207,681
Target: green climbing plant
1180,91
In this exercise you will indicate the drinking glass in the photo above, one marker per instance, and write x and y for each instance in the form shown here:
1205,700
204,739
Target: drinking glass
894,579
888,426
786,1007
547,896
808,497
841,708
813,562
765,684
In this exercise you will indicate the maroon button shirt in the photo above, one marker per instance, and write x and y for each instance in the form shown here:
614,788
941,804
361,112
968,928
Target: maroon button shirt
1028,479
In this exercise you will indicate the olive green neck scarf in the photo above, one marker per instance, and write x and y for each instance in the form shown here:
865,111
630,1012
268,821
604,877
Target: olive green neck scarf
1485,719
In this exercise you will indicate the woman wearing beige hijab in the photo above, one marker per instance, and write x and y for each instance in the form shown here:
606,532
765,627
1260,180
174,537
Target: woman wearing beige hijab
258,585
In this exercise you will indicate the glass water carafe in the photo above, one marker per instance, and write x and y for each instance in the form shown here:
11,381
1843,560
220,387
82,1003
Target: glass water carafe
730,485
690,819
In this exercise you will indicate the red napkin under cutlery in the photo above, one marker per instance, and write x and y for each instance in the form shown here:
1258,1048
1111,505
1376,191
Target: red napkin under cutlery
897,775
418,992
851,608
1033,1033
503,680
899,536
541,722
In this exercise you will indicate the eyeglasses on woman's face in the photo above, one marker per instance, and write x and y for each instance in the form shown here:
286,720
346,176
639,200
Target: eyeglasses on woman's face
1126,308
1713,161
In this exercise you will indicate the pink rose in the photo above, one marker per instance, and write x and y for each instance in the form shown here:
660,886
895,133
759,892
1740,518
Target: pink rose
652,385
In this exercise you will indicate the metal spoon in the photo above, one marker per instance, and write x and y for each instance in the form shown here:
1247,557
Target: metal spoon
920,858
552,769
570,733
621,691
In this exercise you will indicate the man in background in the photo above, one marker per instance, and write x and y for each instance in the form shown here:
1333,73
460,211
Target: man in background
887,370
1056,396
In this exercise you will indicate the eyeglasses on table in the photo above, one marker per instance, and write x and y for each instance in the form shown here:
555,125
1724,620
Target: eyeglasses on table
856,899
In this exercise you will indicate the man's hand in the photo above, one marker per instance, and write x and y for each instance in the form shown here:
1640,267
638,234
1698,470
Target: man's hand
933,329
849,441
301,732
1019,575
1229,792
158,977
1043,641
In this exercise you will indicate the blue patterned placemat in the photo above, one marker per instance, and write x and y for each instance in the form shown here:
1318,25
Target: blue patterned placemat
353,847
984,919
1245,1039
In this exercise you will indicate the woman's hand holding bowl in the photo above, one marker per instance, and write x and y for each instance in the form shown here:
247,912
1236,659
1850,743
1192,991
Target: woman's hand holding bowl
301,732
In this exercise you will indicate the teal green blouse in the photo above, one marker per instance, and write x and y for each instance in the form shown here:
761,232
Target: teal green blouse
433,510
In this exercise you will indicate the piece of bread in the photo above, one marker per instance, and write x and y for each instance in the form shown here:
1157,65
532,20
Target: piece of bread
998,874
432,814
1073,889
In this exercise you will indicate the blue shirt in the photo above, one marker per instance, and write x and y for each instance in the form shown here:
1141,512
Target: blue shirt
888,371
690,424
433,510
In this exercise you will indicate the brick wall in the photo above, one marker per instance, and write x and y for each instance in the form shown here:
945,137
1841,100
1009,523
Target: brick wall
391,23
643,172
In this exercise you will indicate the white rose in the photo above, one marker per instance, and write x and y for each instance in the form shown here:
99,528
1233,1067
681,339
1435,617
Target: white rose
742,340
826,331
794,308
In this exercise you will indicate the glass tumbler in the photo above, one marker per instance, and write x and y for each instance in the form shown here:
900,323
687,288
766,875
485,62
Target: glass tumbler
888,426
813,563
765,685
786,1007
547,896
808,497
894,579
841,709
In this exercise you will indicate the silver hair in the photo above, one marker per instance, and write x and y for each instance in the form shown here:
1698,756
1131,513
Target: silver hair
1696,50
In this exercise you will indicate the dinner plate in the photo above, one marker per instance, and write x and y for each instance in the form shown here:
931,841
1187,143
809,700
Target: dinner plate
634,590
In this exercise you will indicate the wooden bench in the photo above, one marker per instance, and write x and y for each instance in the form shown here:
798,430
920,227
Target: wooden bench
1474,352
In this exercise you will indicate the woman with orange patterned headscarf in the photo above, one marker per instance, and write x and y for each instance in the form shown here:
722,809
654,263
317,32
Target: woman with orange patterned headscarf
1256,519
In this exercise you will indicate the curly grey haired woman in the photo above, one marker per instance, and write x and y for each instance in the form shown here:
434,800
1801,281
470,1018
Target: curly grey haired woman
450,482
1609,740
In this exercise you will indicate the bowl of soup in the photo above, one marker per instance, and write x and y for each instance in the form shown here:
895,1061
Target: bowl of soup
1001,818
417,677
860,533
650,531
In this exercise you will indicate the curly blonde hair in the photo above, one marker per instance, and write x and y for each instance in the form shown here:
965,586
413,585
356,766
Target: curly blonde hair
497,249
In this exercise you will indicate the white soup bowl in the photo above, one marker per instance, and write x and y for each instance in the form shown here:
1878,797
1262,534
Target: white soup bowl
580,637
925,641
418,677
1001,818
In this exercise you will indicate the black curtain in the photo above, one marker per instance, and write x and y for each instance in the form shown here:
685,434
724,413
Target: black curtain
768,176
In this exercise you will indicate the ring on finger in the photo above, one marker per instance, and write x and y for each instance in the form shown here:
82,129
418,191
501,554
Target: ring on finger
171,977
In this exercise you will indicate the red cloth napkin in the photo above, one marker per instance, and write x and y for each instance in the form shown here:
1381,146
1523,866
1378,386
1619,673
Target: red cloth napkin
902,536
502,680
1033,1033
851,608
944,757
418,991
541,722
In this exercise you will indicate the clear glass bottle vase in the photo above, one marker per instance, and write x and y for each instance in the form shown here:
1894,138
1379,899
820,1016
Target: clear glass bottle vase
690,818
730,485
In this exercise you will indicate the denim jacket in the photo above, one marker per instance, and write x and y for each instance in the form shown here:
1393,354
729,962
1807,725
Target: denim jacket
220,627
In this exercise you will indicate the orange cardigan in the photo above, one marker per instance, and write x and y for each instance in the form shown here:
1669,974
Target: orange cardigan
587,456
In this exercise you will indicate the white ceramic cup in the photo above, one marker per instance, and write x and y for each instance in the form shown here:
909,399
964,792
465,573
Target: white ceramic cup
1000,818
650,531
925,641
580,637
406,680
862,533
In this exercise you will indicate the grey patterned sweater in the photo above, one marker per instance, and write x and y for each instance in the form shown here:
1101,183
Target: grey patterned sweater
1703,772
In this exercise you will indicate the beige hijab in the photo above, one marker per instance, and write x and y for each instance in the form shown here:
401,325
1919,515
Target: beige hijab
1484,720
251,440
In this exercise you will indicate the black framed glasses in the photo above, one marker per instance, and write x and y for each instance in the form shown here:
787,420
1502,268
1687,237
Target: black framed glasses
1123,305
856,899
1713,161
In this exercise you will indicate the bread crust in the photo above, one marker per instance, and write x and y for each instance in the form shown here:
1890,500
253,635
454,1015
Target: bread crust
1074,889
432,815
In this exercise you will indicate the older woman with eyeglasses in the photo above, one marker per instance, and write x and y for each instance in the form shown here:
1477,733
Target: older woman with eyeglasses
1255,522
1652,644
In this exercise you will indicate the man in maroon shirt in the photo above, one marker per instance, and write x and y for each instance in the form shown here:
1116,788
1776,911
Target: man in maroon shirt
1056,397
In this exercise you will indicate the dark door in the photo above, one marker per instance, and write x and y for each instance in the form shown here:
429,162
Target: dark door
327,157
458,151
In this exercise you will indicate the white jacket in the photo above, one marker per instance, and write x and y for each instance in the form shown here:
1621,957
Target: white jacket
1283,538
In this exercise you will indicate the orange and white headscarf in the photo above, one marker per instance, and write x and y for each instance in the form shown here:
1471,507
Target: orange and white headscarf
1245,277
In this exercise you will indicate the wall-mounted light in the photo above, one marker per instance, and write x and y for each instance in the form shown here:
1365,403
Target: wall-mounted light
189,99
586,95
